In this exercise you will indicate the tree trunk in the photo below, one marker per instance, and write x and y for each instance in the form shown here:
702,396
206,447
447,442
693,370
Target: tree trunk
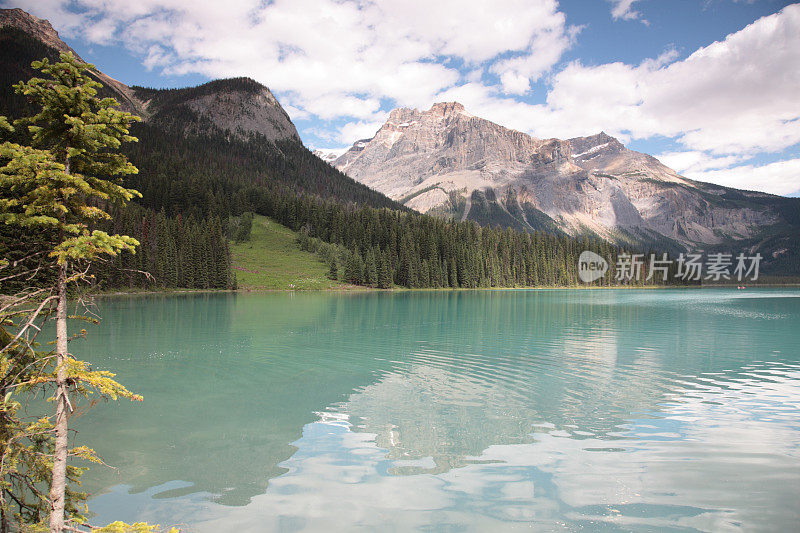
3,518
5,437
59,484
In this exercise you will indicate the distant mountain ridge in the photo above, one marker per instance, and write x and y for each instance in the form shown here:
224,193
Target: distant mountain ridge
449,162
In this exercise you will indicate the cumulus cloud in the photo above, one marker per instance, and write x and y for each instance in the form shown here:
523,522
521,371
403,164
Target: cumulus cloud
353,131
735,95
691,161
780,177
331,58
544,51
623,9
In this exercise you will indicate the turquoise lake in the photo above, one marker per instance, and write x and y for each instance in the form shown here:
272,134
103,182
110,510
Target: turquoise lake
567,410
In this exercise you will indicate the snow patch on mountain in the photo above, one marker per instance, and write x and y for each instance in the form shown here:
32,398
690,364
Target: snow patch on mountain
592,150
329,155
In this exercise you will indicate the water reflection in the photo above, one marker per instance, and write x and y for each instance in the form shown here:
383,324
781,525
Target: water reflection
612,409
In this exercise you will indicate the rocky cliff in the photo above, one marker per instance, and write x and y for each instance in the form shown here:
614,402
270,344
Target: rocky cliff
240,106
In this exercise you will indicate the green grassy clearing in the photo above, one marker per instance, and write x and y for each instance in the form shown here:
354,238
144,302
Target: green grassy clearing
271,259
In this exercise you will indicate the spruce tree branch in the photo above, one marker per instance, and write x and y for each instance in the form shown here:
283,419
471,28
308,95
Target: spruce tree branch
28,324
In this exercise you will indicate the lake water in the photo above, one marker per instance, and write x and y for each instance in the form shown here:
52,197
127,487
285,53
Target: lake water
610,410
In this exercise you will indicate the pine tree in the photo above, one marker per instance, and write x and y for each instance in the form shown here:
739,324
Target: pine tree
333,269
424,279
370,268
354,268
56,185
384,273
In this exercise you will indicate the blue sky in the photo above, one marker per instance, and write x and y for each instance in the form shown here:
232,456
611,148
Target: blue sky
709,86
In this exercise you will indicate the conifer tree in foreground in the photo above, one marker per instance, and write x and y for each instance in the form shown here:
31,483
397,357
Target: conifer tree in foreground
59,187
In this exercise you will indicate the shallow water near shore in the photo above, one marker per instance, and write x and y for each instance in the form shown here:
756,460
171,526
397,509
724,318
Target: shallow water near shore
447,411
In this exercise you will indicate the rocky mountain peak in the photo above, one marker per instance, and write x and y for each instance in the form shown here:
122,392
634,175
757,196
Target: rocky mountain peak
329,155
34,26
446,109
593,142
474,169
405,116
238,105
401,114
443,149
242,109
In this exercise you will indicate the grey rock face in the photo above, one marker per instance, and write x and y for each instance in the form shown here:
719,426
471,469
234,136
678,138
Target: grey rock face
246,111
434,160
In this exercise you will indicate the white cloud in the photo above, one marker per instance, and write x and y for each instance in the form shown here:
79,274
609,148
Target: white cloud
692,161
781,177
623,9
544,51
331,58
665,58
353,131
735,95
515,83
296,113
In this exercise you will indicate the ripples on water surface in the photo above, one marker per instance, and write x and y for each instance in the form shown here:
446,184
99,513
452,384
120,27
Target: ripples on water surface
574,410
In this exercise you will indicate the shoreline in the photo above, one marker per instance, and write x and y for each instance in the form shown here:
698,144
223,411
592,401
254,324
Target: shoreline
361,289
